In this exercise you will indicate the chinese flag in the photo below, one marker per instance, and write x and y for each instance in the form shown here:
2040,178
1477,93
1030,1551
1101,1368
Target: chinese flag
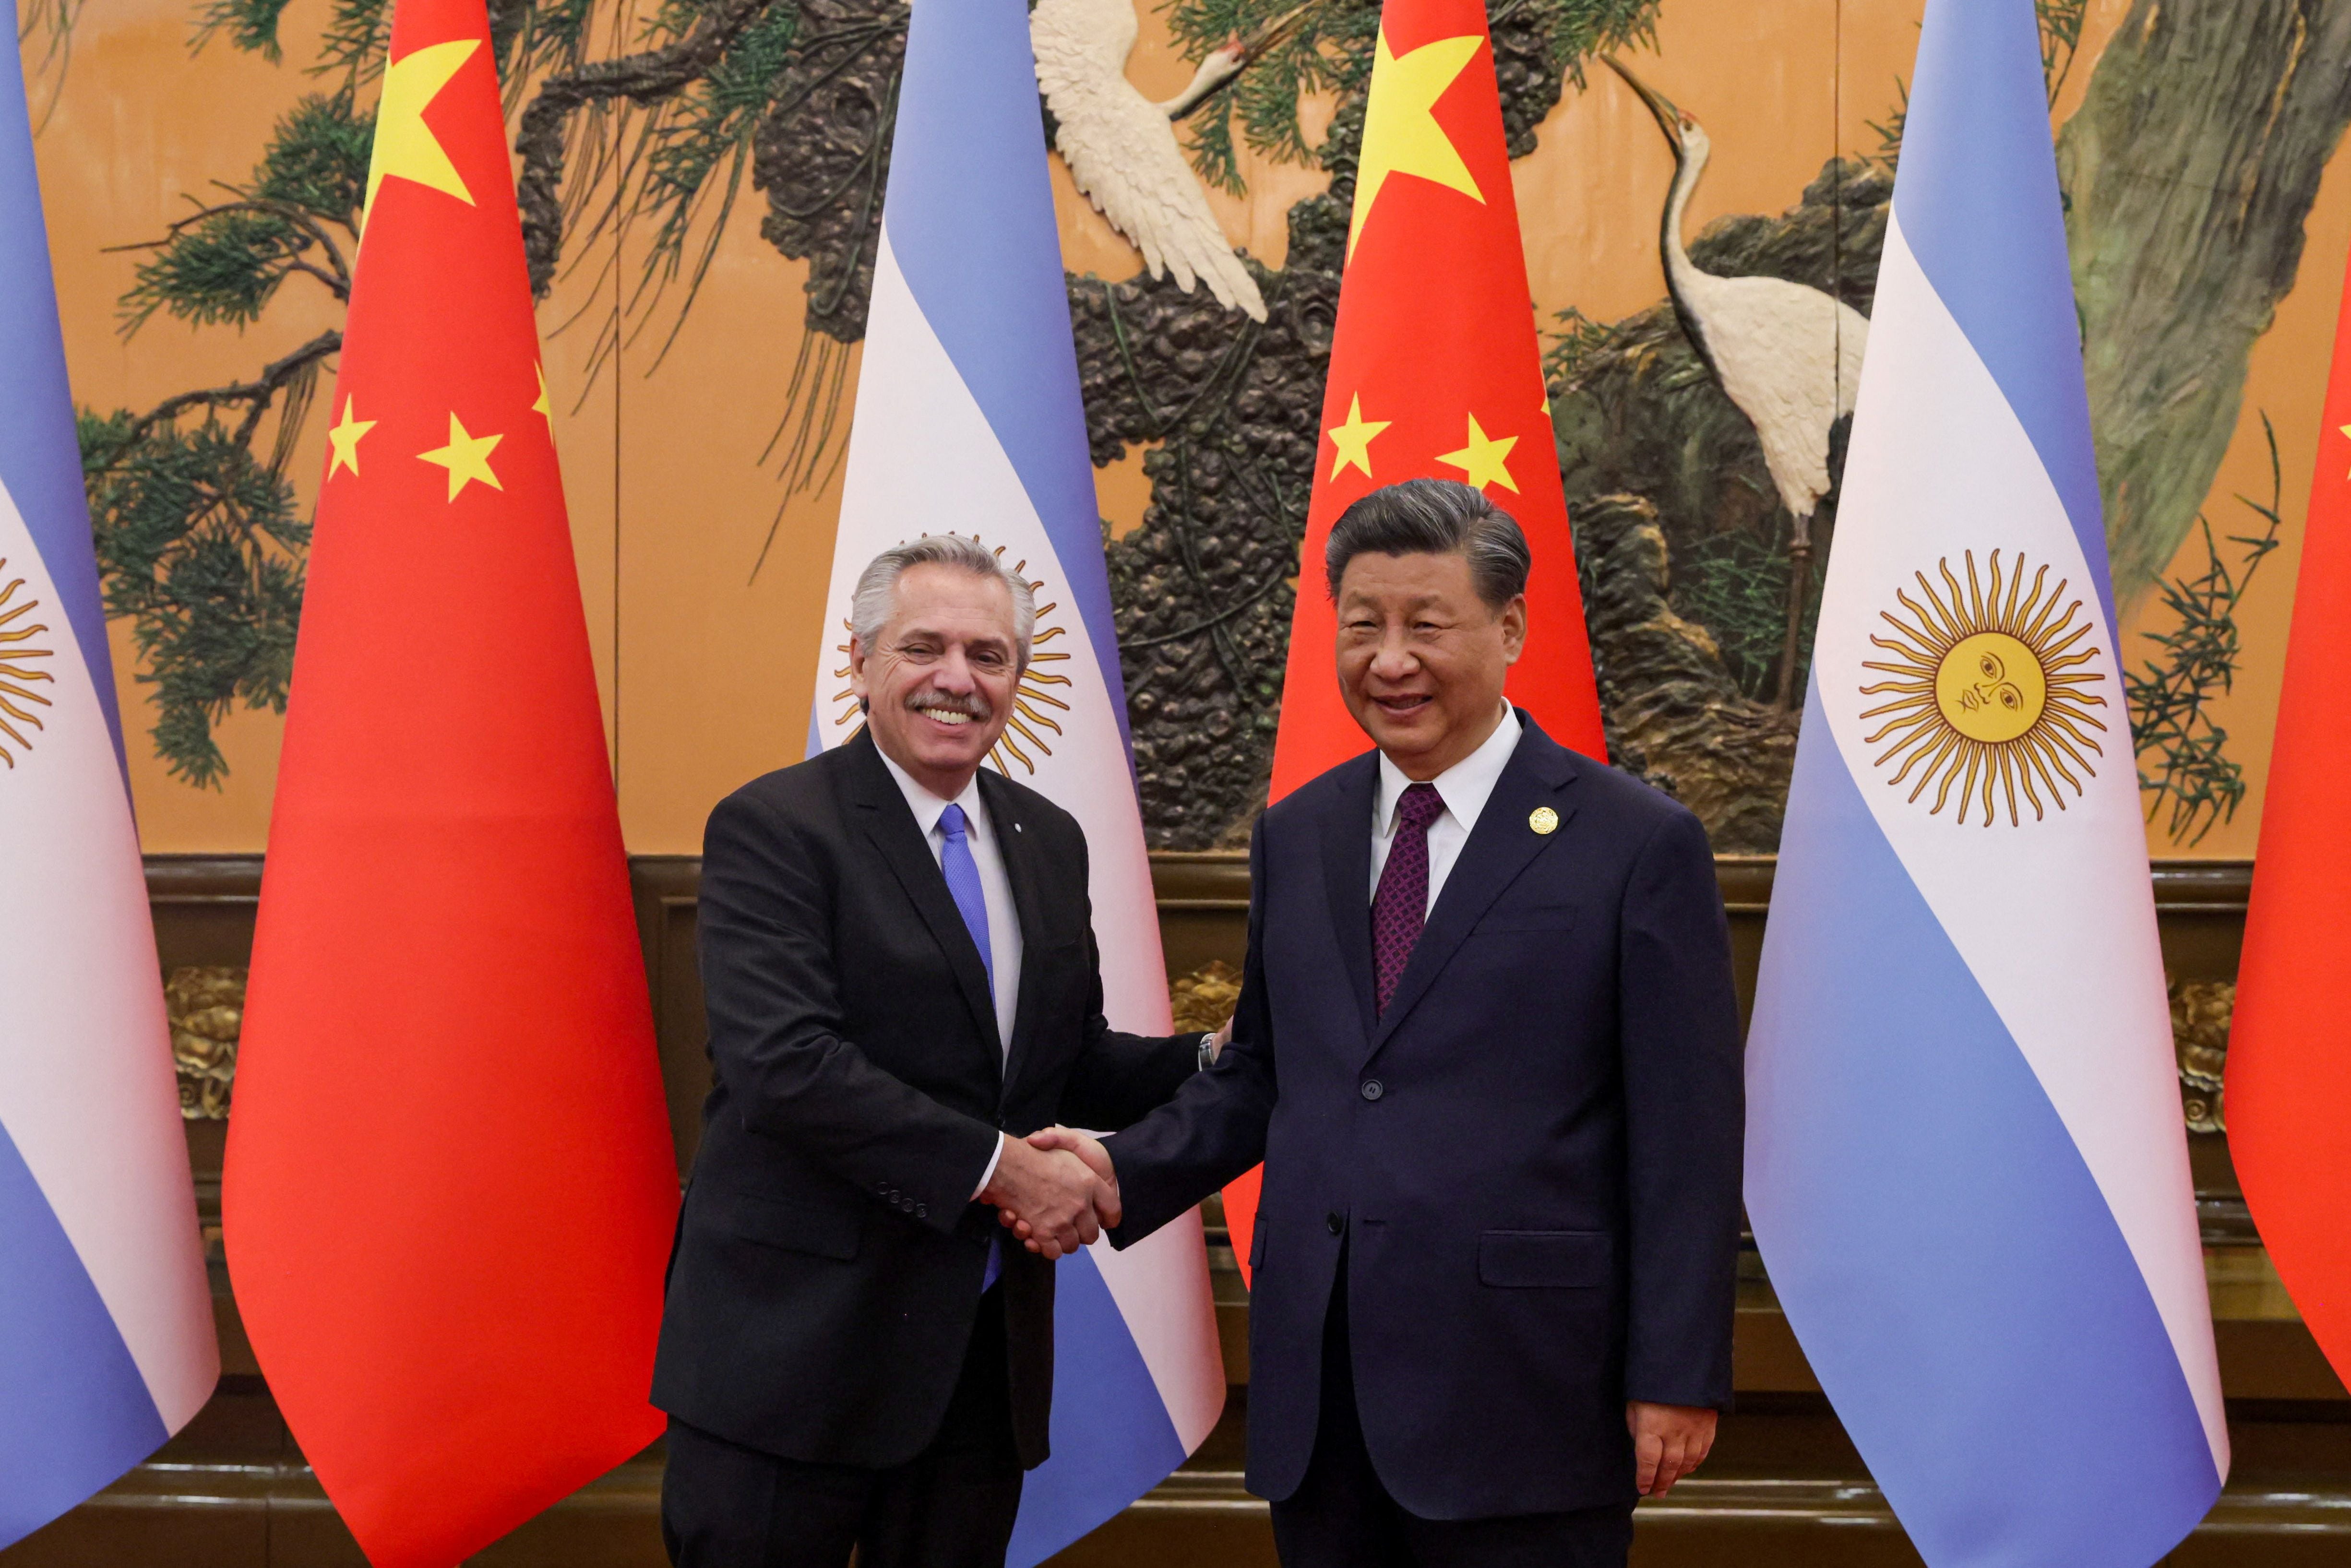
450,1185
1435,372
2288,1095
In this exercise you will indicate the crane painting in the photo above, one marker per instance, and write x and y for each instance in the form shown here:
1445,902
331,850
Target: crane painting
1121,147
1788,355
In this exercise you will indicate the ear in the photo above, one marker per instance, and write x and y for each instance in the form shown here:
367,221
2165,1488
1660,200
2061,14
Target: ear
857,684
1514,628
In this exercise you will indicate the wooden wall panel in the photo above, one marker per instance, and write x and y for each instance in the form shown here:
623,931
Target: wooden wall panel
204,908
1784,1485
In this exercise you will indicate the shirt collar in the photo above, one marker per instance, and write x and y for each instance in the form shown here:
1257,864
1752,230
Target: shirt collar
928,808
1465,787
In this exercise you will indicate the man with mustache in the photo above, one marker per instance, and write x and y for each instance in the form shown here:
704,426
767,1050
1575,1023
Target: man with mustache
898,959
1488,1049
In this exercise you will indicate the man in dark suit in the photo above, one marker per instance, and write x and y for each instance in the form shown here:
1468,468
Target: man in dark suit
899,963
1488,1049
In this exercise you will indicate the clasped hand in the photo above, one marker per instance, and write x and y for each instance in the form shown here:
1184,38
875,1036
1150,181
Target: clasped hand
1055,1190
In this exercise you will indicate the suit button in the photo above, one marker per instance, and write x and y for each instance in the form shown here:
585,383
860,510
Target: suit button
922,1211
1372,1090
1333,1224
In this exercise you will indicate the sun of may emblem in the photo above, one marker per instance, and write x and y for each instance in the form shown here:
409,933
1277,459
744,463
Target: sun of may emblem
1987,694
1032,695
19,667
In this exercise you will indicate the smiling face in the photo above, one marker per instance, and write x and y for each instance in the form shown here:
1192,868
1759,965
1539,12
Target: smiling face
1422,658
938,683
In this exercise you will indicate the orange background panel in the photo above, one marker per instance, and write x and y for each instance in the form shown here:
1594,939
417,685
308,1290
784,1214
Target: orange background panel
703,671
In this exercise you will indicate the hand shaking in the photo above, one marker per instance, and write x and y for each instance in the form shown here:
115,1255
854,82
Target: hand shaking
1059,1212
1055,1190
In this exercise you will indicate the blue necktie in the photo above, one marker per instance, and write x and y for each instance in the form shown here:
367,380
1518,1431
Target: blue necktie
971,903
963,886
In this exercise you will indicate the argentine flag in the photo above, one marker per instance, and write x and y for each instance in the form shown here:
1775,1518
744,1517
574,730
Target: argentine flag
1966,1167
106,1324
968,421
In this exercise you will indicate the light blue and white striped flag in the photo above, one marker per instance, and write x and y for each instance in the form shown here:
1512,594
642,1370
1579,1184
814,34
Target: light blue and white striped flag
968,419
106,1324
1964,1165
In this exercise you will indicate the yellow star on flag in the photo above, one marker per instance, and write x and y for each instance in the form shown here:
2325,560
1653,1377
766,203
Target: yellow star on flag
1400,135
2347,430
541,407
1353,439
344,437
405,144
467,457
1482,461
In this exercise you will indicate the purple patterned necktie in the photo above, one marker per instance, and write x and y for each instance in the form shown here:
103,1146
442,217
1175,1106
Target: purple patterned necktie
1400,908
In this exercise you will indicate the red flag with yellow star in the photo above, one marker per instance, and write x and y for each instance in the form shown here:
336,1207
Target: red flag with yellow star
1435,373
2287,1098
450,1185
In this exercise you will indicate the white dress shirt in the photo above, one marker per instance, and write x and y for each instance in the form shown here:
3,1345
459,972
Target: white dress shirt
995,886
1464,789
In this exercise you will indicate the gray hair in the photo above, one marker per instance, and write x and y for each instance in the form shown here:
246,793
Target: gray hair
877,585
1435,517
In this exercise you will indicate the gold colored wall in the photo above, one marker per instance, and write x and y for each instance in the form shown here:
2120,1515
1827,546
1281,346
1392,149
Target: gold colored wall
705,670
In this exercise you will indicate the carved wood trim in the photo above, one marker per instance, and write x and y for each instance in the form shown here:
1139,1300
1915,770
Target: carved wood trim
1206,879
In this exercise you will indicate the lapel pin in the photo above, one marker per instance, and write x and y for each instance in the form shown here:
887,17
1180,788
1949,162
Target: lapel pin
1543,819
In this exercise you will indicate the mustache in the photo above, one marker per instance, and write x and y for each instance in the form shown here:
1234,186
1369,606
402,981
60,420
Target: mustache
970,703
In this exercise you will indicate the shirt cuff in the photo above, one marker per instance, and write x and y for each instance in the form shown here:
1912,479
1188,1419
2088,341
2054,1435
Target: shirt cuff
989,1174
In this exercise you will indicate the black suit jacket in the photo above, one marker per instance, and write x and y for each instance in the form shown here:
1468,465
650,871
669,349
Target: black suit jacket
828,1262
1531,1160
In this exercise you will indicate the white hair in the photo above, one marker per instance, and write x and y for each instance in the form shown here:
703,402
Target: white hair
877,585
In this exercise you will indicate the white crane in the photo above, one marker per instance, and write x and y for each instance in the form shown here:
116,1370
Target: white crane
1121,147
1788,355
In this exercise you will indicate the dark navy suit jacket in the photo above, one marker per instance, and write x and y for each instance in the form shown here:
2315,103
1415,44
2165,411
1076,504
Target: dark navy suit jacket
1529,1164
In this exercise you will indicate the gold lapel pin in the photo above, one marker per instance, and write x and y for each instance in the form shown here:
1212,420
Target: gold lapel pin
1543,819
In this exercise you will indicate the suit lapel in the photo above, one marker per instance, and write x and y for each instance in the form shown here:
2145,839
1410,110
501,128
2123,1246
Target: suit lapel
1347,877
882,807
1500,846
1021,869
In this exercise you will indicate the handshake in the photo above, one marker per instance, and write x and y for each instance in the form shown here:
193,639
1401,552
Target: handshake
1054,1190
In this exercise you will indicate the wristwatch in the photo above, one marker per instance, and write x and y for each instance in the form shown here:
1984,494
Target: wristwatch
1207,1049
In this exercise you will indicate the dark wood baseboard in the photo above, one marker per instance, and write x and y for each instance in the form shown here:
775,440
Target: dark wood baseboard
1783,1489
